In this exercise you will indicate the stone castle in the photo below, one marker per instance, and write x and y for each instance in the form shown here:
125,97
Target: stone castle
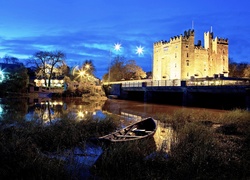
180,58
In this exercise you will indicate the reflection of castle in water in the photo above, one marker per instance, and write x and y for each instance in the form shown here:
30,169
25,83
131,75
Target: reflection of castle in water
164,137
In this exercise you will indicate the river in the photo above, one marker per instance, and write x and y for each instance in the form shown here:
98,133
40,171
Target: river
49,110
52,109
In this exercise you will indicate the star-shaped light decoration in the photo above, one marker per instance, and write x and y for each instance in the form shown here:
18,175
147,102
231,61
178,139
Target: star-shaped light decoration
139,50
117,46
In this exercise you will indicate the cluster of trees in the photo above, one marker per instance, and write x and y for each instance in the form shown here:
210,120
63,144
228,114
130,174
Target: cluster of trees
48,65
121,69
239,70
10,59
84,77
14,81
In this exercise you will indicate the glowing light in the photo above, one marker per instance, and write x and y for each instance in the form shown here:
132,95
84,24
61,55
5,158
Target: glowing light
1,109
117,46
1,75
80,114
87,66
82,73
139,50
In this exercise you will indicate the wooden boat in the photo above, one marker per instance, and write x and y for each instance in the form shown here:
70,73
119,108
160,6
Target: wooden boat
139,130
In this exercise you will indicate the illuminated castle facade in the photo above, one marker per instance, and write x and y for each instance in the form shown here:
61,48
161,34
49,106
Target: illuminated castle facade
180,58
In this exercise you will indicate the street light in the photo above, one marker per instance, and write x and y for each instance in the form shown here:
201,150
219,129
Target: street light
81,73
116,47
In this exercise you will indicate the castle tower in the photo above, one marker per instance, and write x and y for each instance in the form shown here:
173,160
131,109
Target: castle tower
179,58
208,37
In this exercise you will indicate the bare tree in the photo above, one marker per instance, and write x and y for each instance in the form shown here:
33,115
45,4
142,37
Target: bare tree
46,62
10,60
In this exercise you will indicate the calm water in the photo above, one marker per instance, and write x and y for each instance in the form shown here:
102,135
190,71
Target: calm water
49,110
53,109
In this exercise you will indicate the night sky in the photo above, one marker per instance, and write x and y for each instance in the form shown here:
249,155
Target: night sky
88,29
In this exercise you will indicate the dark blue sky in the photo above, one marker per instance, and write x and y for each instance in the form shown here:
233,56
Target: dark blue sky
88,29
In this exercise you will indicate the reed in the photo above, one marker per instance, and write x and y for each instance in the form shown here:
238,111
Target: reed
26,146
202,150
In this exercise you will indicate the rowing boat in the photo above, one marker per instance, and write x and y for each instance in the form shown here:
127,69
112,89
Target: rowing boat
138,130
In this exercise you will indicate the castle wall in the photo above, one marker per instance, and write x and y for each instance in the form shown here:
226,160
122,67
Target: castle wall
200,67
180,58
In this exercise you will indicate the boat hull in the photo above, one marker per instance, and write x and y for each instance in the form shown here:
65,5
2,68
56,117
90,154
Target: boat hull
140,130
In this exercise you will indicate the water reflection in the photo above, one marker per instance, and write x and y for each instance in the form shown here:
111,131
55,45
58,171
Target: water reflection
13,109
123,107
53,109
164,137
50,110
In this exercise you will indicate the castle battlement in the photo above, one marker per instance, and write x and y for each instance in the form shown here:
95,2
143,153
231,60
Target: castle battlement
159,43
198,47
186,36
181,58
221,40
188,33
176,38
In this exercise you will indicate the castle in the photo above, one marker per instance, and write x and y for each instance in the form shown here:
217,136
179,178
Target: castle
180,58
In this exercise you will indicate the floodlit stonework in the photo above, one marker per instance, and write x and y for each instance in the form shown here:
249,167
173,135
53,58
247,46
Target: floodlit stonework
180,58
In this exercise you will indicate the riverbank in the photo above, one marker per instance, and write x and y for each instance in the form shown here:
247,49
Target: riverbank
204,147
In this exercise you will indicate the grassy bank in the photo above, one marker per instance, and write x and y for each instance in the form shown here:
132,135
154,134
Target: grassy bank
206,147
25,146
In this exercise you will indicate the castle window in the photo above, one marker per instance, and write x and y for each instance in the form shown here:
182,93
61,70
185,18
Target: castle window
187,54
175,55
165,48
176,46
175,65
186,46
187,74
187,62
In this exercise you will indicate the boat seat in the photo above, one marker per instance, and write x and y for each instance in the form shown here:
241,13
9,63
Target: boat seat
138,130
127,136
